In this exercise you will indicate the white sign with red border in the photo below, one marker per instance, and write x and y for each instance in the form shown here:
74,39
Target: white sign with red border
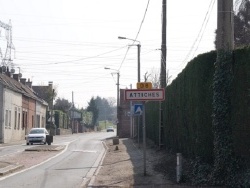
144,95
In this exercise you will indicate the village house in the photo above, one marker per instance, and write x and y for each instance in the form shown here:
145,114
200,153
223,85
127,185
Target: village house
20,108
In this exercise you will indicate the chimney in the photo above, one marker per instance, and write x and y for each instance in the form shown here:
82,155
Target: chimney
16,77
8,73
29,83
51,85
3,69
23,81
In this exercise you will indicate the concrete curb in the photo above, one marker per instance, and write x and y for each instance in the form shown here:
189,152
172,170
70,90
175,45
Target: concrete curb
46,148
10,168
90,177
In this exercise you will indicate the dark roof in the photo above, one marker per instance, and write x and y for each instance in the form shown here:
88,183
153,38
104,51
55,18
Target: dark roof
16,86
41,91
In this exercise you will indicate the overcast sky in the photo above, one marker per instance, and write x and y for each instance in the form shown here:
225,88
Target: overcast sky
70,42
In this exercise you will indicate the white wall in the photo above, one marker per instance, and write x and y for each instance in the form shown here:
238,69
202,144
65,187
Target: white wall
12,103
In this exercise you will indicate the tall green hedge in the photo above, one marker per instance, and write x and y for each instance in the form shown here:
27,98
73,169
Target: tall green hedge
187,117
241,102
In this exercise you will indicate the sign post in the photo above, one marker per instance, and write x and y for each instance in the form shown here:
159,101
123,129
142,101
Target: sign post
144,93
138,111
144,142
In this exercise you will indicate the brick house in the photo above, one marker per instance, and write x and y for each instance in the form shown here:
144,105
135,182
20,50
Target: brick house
124,125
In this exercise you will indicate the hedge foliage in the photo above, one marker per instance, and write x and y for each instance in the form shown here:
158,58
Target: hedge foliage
187,110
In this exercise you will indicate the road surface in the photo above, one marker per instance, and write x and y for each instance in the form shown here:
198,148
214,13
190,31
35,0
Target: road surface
69,170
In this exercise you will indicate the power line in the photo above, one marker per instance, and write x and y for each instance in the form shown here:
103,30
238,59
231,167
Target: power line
202,29
136,35
142,21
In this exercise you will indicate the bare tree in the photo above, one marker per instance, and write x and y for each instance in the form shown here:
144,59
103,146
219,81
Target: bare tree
154,78
239,5
146,77
111,101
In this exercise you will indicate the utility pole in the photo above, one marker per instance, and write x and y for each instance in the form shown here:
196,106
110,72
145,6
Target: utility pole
163,68
163,44
225,25
222,84
52,114
73,115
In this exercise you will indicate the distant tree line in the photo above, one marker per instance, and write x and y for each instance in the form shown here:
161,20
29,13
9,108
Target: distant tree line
100,108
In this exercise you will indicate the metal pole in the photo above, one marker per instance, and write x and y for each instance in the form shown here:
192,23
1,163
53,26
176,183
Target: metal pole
138,127
131,117
139,63
139,76
118,103
144,141
179,167
118,83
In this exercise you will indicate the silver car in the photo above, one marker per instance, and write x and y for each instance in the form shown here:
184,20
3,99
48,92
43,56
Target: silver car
110,129
37,135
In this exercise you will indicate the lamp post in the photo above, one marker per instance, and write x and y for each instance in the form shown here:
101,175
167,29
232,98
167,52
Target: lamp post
138,69
118,95
144,127
138,54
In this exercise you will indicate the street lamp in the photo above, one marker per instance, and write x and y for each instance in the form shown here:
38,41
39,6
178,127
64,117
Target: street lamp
144,128
118,95
138,55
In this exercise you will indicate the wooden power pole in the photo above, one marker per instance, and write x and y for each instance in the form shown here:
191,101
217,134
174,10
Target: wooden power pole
225,25
163,44
222,84
163,68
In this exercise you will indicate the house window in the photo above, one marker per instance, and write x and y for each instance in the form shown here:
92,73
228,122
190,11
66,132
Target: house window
26,117
9,122
37,120
23,120
15,122
19,119
33,121
24,124
6,118
43,122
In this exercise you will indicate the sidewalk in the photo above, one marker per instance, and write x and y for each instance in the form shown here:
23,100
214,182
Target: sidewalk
123,166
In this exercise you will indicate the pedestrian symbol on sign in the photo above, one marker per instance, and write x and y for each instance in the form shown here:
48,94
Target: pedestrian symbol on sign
138,109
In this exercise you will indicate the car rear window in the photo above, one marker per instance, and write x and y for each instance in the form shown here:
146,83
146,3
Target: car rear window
35,131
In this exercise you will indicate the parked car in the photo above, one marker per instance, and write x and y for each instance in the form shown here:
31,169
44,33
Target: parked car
37,135
110,129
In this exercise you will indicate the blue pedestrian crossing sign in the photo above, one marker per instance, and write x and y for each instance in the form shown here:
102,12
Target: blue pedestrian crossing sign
138,109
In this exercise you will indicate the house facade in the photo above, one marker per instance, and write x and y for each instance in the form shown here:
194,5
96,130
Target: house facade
20,108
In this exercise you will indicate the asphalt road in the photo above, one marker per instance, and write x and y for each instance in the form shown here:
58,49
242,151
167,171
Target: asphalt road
69,170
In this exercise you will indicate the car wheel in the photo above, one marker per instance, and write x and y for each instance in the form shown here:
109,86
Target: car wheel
31,143
27,143
44,143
